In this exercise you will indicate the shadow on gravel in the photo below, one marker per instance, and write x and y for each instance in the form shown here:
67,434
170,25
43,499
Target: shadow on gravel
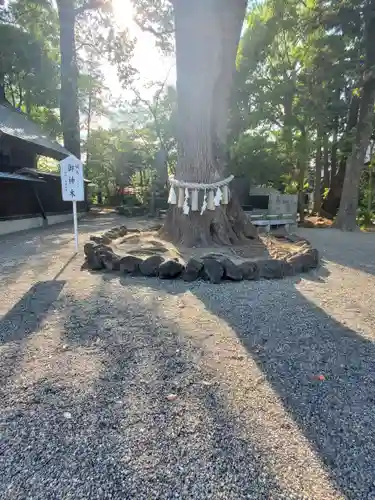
319,275
25,316
33,249
23,320
124,439
352,250
292,344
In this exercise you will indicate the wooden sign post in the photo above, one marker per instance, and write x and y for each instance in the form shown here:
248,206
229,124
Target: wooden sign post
73,188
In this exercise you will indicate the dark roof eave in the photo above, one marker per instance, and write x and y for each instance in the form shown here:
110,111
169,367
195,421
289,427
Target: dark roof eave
18,177
17,125
41,150
38,173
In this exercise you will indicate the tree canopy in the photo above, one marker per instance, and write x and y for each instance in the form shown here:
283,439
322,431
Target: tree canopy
300,103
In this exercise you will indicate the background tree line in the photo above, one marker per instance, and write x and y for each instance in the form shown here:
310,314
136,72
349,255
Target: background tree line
302,106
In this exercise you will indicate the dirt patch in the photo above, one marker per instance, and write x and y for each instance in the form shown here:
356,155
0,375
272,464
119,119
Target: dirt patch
149,243
316,222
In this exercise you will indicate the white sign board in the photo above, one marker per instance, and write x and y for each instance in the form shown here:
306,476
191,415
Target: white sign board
71,170
73,187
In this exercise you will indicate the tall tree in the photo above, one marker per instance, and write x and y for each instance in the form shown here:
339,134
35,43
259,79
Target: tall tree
99,31
69,108
347,216
206,37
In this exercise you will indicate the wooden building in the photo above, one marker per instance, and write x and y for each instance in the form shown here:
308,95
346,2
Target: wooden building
28,198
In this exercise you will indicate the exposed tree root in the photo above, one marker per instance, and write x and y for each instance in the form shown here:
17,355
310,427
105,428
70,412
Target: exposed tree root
225,226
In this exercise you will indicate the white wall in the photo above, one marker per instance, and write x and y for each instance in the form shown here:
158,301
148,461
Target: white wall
14,226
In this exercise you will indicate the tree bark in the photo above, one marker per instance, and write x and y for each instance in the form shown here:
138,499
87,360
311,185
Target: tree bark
69,109
326,175
207,36
332,202
347,216
288,127
318,176
89,118
334,148
302,168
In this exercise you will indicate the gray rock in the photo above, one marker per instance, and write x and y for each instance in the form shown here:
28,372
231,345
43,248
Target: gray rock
192,270
104,252
271,269
100,239
288,268
106,240
123,231
90,247
155,227
110,235
170,269
313,255
250,270
130,264
133,230
215,256
150,266
111,262
305,261
231,270
213,270
94,262
101,248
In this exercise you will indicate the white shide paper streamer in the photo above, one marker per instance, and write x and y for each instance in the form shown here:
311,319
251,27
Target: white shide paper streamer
215,194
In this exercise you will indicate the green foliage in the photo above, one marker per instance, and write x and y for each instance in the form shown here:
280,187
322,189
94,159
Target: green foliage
156,17
48,165
258,158
365,218
298,66
115,157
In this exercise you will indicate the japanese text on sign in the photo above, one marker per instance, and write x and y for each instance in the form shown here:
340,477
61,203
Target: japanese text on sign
72,182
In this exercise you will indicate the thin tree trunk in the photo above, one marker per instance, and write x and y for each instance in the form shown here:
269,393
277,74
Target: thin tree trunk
332,202
347,216
302,164
12,96
28,103
2,89
318,176
326,176
89,116
334,153
207,36
69,110
369,199
288,127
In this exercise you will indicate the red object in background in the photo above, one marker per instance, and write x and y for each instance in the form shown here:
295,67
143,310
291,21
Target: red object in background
126,190
321,378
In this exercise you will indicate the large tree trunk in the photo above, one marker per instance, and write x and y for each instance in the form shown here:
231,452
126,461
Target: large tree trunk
207,36
69,110
326,176
347,216
331,204
318,176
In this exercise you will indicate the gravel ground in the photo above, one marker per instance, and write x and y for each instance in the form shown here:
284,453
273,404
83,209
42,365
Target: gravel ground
116,388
